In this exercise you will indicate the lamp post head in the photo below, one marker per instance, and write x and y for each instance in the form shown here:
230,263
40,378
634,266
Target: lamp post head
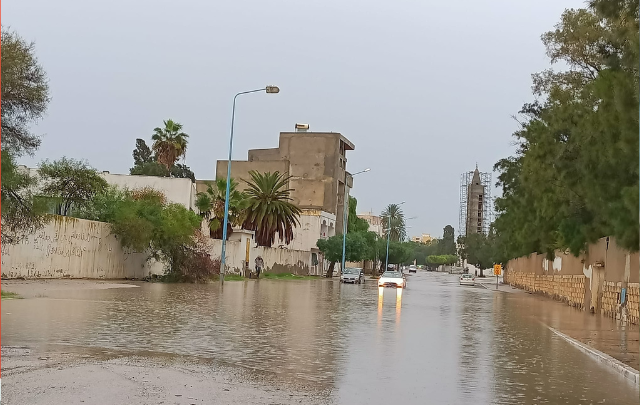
367,169
272,89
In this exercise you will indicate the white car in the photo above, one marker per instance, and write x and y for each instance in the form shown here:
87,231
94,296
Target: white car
352,275
392,279
467,279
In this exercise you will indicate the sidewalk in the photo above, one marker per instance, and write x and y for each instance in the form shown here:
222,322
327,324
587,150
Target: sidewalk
583,329
490,284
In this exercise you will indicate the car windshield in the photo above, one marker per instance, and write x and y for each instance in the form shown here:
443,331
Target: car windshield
392,274
351,271
466,276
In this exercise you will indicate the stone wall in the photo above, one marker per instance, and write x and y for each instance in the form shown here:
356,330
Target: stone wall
611,301
592,280
633,302
74,248
565,288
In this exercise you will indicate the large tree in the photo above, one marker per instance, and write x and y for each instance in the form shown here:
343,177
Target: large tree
270,211
356,249
146,164
355,223
574,177
25,95
143,220
478,250
392,219
211,202
22,212
169,143
447,245
70,184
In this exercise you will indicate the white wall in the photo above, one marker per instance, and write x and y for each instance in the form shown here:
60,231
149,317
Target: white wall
314,225
74,248
178,191
275,260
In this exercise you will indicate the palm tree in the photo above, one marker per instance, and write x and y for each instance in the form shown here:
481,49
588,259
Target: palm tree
270,210
393,220
169,143
211,206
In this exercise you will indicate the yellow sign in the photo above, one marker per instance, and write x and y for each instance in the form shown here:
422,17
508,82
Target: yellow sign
497,269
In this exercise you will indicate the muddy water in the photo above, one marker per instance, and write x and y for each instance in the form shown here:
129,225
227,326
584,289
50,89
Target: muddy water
435,342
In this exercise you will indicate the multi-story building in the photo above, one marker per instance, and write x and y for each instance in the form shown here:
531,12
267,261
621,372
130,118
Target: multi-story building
374,221
425,238
316,162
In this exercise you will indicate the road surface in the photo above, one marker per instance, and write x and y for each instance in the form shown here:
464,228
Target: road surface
292,342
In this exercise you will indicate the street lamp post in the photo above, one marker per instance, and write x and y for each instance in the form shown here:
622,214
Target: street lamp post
386,262
344,217
269,90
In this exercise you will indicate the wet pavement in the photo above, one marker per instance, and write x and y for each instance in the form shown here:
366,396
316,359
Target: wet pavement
316,340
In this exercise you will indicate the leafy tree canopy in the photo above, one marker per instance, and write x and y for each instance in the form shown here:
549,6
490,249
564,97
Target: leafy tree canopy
70,184
574,177
21,211
25,94
146,164
354,223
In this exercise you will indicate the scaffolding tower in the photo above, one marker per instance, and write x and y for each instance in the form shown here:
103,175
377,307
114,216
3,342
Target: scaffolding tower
487,206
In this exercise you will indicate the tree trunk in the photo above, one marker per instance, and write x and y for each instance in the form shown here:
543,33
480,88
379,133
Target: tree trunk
330,271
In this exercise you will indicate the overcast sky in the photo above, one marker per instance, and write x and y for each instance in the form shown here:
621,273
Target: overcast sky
424,88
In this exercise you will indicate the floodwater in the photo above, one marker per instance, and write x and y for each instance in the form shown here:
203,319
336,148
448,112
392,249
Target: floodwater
433,343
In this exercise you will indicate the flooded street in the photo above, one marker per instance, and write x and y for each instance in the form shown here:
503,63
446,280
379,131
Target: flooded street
435,342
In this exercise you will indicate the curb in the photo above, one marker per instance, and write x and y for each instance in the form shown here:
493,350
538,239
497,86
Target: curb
628,372
493,287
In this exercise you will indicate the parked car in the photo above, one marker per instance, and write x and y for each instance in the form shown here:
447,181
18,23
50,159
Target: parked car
392,279
352,275
467,279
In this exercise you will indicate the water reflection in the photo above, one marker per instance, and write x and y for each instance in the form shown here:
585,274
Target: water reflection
398,305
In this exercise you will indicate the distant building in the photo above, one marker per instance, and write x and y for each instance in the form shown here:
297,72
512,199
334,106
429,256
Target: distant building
374,221
475,202
425,238
317,164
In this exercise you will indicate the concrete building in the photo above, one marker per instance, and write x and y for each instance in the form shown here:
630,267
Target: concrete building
425,238
316,162
374,221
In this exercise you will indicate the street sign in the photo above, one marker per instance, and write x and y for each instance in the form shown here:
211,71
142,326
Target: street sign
497,269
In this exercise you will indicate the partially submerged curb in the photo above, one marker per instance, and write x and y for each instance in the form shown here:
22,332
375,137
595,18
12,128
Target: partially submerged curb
628,372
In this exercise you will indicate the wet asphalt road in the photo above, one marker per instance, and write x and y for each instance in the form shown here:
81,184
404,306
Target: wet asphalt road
434,343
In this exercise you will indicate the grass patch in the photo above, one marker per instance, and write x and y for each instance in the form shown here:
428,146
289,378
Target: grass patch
285,276
228,277
9,294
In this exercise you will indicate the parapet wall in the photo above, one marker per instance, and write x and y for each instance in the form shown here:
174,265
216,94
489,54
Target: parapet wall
604,279
74,248
77,248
